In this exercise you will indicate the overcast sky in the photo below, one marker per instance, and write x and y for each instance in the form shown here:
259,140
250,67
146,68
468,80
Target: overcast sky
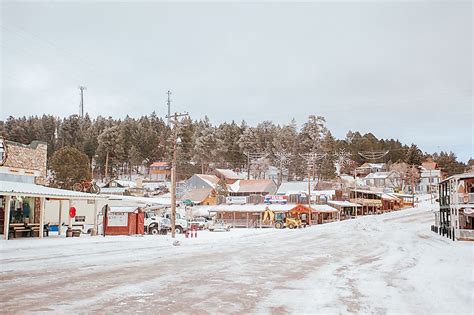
400,70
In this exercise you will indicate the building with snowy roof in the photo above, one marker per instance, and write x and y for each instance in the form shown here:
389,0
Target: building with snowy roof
391,180
248,187
367,168
201,181
228,176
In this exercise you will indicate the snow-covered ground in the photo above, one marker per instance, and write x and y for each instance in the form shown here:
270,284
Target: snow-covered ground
389,263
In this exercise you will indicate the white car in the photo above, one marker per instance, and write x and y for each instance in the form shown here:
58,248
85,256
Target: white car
219,225
201,223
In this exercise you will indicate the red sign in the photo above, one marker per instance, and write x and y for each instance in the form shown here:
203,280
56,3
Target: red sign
72,212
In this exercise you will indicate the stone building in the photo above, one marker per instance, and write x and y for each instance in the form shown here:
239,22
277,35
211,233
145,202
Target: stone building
24,162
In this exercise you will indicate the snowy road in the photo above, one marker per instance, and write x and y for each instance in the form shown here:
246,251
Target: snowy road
390,263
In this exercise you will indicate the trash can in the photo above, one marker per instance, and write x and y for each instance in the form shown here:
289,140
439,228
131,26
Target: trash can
69,232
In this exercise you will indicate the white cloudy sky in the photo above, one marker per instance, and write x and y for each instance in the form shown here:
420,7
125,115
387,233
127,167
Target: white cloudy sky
399,69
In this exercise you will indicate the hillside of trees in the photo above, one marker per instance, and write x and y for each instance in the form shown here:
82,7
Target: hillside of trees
134,142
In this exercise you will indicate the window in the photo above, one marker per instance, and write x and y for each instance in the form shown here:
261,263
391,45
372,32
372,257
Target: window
80,219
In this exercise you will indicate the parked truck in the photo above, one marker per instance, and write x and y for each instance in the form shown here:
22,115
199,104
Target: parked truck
155,224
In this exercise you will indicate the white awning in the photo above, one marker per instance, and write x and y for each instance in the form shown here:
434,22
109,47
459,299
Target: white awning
123,209
33,190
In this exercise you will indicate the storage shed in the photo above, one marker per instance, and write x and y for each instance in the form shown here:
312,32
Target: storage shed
124,221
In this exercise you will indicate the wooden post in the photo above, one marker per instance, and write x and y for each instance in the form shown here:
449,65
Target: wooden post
247,220
6,222
60,216
260,218
233,221
96,225
69,224
41,227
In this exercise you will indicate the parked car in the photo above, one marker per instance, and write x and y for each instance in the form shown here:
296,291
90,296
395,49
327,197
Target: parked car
219,225
200,222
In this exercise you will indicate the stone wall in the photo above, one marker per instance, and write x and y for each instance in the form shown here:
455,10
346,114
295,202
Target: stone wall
28,157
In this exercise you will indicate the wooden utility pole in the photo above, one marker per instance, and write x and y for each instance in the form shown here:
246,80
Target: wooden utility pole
106,166
173,171
311,159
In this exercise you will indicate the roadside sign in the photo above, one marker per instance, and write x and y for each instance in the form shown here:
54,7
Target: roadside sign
236,200
72,212
269,199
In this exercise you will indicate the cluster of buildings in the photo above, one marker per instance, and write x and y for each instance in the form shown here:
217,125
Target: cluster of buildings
26,204
379,175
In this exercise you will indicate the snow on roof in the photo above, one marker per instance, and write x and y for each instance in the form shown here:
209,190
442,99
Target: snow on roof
144,200
364,191
372,165
122,209
211,180
343,203
229,174
154,185
389,197
112,190
330,192
293,188
200,211
25,189
251,208
272,207
197,195
378,175
323,208
252,185
124,183
402,195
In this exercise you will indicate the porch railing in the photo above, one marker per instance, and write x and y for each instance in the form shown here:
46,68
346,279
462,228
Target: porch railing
466,198
466,234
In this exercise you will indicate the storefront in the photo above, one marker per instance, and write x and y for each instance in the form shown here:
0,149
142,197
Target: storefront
22,207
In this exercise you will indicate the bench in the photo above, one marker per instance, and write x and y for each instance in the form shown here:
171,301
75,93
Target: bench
35,228
16,228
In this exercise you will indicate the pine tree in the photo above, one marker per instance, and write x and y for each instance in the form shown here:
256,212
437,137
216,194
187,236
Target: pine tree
69,166
414,156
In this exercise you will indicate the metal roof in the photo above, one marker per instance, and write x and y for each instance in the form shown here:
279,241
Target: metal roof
460,176
33,190
343,203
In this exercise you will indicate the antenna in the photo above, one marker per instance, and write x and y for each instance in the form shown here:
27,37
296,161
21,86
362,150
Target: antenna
81,105
169,106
